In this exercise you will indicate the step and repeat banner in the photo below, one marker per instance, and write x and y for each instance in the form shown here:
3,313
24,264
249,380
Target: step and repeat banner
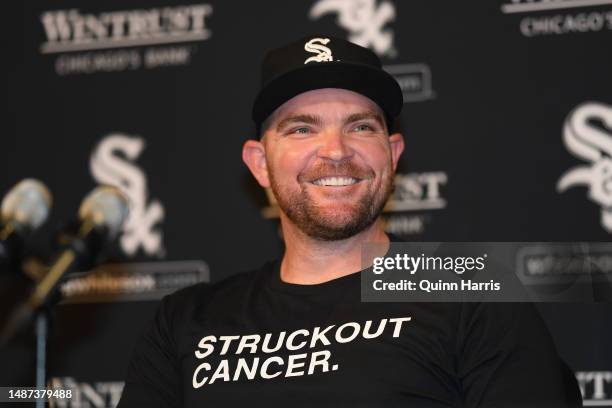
507,120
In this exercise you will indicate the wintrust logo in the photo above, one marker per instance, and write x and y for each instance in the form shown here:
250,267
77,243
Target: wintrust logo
71,30
364,19
559,17
112,162
590,142
87,43
596,388
86,394
414,200
418,191
524,6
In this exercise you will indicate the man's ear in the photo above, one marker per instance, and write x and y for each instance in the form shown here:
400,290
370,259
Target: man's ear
254,156
396,142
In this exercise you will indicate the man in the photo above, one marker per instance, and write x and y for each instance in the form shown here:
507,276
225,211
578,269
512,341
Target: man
295,331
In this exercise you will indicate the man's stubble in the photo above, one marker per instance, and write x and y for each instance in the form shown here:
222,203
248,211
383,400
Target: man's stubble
322,225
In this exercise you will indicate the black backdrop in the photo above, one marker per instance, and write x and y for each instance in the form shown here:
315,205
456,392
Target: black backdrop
156,96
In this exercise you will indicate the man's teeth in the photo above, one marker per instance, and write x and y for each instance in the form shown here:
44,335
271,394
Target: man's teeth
335,181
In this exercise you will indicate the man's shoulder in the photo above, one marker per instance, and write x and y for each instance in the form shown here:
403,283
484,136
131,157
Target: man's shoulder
232,287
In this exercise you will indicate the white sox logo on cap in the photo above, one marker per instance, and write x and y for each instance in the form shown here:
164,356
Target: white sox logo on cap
320,61
317,45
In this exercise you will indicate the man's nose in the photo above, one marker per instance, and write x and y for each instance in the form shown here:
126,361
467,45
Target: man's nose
334,146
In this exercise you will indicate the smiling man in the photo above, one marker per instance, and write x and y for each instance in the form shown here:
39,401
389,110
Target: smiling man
295,332
329,159
330,162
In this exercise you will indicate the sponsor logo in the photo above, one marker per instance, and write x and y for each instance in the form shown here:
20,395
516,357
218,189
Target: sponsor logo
417,191
414,80
596,388
537,19
79,38
112,162
585,139
413,192
364,19
317,46
99,394
71,30
408,210
567,263
133,281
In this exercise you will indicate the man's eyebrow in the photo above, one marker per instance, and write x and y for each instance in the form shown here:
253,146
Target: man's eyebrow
355,117
308,119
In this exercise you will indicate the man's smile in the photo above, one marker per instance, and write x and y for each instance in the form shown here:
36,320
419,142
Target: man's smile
336,181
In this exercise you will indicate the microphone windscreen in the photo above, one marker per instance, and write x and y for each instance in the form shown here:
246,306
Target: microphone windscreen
107,207
27,204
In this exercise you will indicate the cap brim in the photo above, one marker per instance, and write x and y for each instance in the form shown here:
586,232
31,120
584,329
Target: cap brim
373,83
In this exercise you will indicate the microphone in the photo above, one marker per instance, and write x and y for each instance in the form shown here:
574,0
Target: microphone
24,209
101,217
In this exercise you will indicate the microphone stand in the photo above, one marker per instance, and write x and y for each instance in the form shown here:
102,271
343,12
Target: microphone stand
41,320
40,299
41,328
77,253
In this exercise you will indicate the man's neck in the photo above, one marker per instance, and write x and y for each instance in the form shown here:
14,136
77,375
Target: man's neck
308,261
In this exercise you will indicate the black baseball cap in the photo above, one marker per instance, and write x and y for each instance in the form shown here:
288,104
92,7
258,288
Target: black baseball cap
317,62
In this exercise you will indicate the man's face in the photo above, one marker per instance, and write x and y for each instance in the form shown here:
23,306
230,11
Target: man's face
330,162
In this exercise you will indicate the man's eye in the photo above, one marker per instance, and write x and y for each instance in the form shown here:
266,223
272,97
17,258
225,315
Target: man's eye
300,130
363,127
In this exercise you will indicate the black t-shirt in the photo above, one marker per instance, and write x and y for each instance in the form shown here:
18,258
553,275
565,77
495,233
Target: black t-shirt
254,339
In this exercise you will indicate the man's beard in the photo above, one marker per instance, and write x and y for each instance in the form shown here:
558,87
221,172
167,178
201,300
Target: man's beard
317,223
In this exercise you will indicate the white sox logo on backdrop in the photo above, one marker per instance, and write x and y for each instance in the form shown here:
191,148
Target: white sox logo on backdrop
589,142
364,19
112,162
317,46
